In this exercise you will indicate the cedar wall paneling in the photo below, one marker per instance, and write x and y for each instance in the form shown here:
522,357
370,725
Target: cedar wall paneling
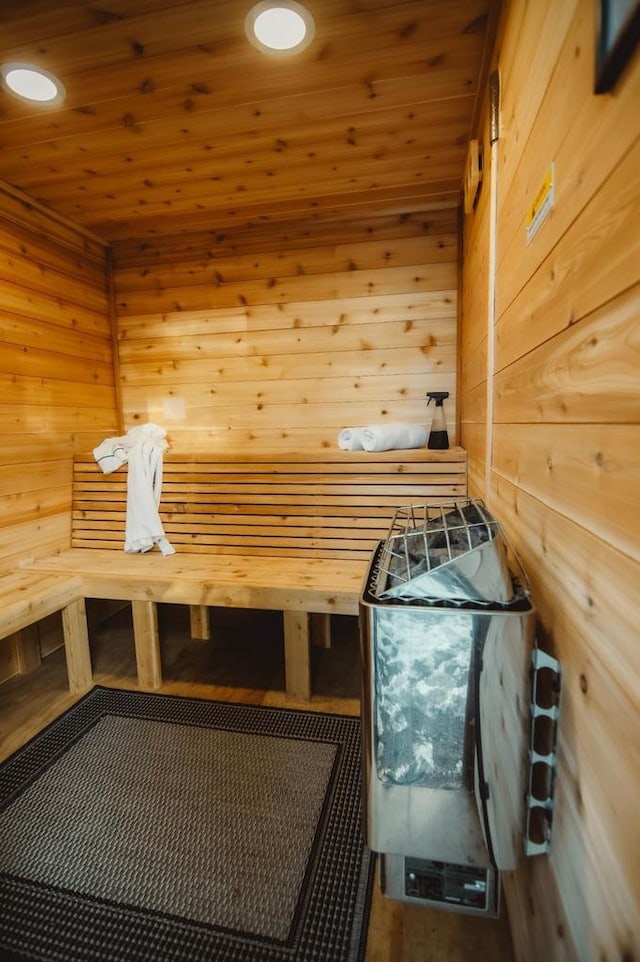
56,379
563,464
272,338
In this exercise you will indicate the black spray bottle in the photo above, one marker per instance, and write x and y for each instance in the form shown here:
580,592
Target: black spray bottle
438,437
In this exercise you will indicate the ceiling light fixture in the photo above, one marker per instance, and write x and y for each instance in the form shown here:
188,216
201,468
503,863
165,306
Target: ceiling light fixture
32,83
279,26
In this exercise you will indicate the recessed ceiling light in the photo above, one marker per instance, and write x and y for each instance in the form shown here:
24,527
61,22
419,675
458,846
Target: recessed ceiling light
279,26
32,83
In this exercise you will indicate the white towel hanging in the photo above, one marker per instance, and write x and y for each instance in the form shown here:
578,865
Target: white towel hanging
142,449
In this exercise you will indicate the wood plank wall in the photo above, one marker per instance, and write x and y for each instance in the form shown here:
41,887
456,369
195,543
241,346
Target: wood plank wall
56,377
273,337
561,458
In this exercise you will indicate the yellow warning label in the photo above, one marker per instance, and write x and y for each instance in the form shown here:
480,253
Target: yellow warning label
542,204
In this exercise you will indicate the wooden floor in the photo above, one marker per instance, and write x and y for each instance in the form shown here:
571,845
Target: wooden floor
243,662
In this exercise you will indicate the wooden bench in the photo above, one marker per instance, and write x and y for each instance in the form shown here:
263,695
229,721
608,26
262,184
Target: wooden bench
27,596
294,535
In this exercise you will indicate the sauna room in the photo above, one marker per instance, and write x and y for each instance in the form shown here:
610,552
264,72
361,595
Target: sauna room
254,247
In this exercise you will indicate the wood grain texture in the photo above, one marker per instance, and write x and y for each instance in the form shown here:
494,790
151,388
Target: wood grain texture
294,584
397,932
295,535
76,646
281,347
172,116
563,472
147,642
26,597
333,506
55,366
56,375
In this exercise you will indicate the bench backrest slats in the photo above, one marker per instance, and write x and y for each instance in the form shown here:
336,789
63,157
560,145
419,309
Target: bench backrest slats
336,506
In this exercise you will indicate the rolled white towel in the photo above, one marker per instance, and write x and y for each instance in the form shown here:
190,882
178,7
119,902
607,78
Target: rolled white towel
350,439
391,437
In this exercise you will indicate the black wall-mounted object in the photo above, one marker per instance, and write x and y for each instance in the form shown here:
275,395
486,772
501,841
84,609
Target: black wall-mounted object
617,36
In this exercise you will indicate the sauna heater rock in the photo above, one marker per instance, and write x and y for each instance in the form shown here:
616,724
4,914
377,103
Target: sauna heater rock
446,632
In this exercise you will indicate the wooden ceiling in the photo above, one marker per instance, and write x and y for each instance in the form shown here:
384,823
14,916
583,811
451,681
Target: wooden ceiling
173,121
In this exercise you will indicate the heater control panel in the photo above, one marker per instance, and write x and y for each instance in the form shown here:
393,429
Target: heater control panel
471,889
444,882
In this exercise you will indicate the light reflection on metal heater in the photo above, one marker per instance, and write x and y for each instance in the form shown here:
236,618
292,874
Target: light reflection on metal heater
446,632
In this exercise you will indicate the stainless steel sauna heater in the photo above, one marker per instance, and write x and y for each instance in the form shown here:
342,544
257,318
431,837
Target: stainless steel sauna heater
446,632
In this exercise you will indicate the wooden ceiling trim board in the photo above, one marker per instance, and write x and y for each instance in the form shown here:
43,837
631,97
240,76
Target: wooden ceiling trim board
15,205
24,243
19,266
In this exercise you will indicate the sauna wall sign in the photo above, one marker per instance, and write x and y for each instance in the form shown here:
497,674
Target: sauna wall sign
541,206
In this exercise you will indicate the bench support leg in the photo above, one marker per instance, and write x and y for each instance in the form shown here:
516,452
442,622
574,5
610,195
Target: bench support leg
147,642
320,629
76,646
26,647
200,627
297,664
